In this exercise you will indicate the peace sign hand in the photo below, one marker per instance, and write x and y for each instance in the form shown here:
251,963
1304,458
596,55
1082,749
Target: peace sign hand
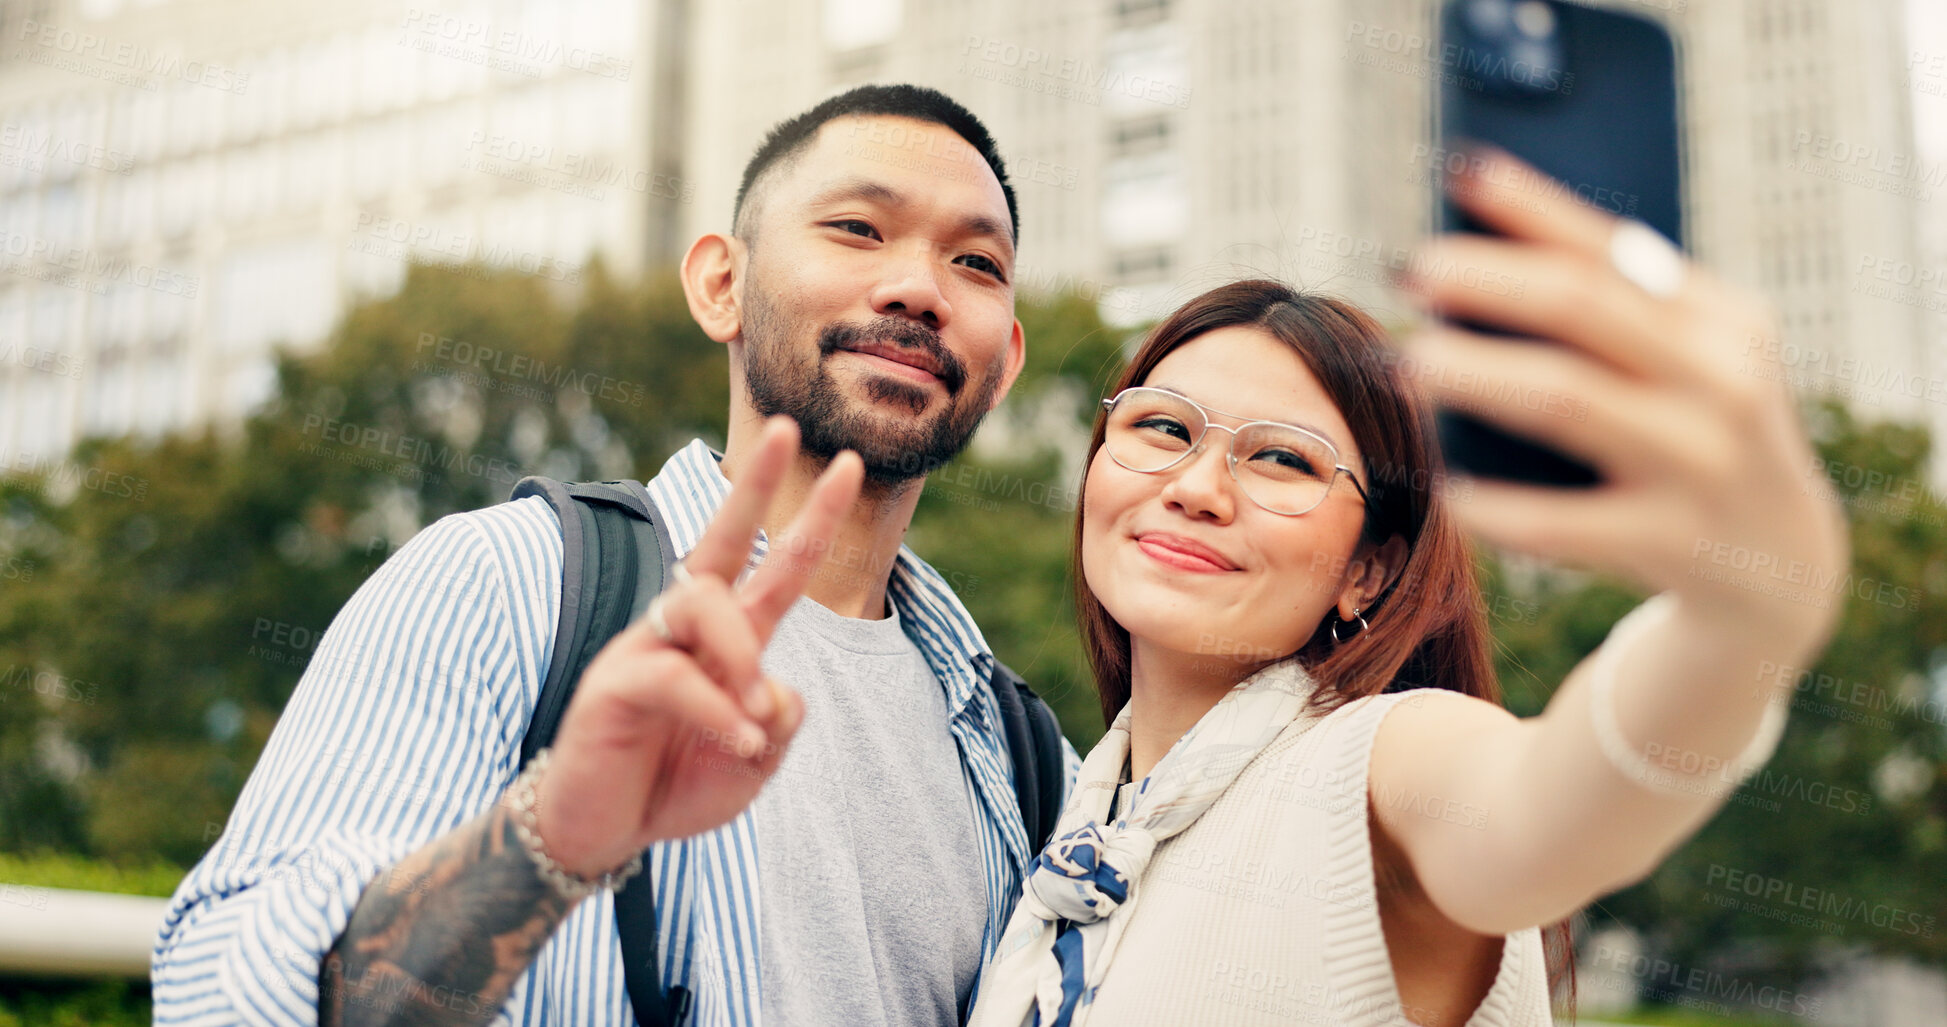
673,731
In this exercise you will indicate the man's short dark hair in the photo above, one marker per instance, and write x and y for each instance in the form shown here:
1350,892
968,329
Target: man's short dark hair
789,138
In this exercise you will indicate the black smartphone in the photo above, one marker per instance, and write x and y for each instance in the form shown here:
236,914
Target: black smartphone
1590,98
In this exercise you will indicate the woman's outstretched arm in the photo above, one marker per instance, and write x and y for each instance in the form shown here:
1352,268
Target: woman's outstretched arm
1711,497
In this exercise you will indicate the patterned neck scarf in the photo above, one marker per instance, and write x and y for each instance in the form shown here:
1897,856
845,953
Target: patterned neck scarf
1076,900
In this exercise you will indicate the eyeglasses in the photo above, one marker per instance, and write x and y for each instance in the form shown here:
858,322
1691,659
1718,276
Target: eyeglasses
1281,467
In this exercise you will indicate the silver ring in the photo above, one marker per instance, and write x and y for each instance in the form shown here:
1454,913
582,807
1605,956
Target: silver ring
1648,260
658,624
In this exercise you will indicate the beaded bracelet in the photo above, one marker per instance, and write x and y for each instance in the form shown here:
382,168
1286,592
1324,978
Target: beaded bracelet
573,887
1627,759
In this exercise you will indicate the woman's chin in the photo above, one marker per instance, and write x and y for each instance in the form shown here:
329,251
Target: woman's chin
1187,639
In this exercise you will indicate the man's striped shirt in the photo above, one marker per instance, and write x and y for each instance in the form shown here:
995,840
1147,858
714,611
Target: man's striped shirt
407,723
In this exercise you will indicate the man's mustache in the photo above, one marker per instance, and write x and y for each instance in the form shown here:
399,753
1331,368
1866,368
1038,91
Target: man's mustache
903,332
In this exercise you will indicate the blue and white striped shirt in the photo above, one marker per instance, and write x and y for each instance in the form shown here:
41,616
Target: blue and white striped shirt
407,723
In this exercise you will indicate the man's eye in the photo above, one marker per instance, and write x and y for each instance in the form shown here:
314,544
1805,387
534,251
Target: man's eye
855,227
980,263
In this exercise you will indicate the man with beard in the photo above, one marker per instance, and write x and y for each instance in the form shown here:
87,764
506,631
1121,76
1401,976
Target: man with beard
864,292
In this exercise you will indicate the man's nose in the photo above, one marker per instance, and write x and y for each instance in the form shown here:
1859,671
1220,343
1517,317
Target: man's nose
911,288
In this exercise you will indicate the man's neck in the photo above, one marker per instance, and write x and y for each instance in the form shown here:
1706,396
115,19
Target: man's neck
851,581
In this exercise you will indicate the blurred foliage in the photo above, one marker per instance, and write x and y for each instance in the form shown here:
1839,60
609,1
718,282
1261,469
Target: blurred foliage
161,598
997,521
1854,805
65,870
164,596
30,1003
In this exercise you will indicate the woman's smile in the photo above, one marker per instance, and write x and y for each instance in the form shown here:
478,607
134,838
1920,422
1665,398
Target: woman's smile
1183,553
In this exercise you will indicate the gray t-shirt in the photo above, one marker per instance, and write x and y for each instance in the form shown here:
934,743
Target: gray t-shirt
872,895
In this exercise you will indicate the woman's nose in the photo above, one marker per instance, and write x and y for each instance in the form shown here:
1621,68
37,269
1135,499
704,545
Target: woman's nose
1202,485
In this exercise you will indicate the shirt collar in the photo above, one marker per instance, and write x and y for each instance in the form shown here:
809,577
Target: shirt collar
691,486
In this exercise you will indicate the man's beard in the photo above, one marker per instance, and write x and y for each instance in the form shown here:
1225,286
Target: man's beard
895,450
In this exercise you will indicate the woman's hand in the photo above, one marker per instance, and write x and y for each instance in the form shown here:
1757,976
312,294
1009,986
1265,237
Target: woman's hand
1709,492
1710,487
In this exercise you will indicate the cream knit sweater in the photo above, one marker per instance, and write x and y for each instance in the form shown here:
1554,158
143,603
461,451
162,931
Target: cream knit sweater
1264,910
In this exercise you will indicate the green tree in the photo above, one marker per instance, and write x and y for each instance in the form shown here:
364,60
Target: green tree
1850,817
169,601
999,520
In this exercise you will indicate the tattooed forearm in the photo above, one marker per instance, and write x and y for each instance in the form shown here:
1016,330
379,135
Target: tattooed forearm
442,936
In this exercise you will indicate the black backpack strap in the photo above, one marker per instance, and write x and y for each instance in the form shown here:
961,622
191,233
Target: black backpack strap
1034,745
570,626
610,569
616,553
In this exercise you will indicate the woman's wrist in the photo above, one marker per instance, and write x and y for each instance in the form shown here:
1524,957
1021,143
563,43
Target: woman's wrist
1736,630
1665,630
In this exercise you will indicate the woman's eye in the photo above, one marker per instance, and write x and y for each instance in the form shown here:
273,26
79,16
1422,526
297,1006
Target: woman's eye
1165,425
980,263
1286,458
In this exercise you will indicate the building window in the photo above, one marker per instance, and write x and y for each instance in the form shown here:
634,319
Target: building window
378,157
61,218
248,186
1134,137
73,123
53,317
162,399
1127,14
106,400
312,163
276,293
168,316
1144,201
1148,71
386,78
1134,267
852,24
177,201
43,423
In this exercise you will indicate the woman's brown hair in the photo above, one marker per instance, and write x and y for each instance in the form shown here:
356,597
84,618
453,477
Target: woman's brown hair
1427,628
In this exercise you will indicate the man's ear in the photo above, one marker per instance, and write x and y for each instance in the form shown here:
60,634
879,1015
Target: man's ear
1368,577
1016,358
713,283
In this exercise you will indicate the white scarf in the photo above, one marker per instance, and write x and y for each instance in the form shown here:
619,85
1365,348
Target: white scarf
1076,900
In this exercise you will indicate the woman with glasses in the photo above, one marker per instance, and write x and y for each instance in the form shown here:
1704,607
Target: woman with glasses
1310,806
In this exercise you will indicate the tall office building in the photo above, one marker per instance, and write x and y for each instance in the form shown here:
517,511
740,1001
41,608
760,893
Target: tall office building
1925,64
1808,186
185,184
1158,146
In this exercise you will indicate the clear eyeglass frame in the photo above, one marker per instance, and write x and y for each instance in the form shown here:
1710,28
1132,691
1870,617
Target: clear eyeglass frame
1230,455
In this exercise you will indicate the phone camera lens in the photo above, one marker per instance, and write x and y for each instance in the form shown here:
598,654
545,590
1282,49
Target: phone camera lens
1490,18
1511,47
1534,19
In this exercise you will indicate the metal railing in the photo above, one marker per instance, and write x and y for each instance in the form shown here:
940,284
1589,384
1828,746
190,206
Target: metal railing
55,932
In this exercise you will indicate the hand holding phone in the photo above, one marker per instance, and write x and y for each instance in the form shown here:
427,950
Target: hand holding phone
1588,98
